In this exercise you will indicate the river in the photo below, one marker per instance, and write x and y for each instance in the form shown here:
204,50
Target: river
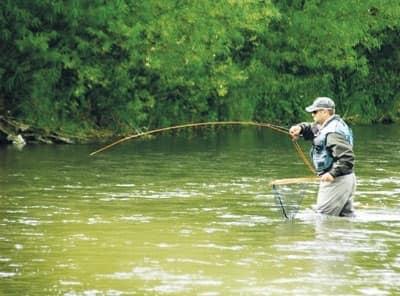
194,214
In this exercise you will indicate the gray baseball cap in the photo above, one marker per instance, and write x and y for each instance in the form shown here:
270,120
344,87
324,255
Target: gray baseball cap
321,103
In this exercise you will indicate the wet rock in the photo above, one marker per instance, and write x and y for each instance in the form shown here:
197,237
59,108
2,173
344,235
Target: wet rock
19,134
18,141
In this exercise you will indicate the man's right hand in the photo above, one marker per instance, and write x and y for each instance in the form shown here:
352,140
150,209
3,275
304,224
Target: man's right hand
295,131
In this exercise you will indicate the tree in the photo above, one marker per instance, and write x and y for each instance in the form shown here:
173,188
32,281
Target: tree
129,64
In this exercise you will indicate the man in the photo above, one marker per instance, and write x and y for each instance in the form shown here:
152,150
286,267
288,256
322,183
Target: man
332,155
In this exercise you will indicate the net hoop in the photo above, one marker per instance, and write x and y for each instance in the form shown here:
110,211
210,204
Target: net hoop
290,181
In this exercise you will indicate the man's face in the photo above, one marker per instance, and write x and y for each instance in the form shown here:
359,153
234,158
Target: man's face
320,115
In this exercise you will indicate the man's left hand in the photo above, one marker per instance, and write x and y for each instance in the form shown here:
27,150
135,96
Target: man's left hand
327,177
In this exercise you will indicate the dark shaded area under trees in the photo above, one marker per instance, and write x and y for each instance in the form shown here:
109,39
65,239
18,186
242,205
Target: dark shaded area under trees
80,67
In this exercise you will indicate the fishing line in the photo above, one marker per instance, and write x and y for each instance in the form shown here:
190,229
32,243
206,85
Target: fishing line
303,157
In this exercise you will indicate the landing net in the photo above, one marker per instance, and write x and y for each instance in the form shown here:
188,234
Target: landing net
289,194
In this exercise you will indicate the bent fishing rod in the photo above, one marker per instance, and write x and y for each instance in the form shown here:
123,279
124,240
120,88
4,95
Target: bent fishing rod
276,128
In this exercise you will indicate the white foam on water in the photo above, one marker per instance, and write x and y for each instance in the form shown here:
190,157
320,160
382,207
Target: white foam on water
361,216
7,274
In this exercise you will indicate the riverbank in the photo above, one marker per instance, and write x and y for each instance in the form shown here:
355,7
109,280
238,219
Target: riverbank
16,132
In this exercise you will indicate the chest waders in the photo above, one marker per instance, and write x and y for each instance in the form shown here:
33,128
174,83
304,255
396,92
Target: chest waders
321,157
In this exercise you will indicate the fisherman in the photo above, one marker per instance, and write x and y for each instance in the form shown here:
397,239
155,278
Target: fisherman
332,155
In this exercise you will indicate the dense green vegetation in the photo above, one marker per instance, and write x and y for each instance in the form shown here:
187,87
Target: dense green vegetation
127,64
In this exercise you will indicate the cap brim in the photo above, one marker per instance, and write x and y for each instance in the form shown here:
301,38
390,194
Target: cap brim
312,108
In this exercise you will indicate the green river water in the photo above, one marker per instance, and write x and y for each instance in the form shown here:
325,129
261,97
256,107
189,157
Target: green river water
184,214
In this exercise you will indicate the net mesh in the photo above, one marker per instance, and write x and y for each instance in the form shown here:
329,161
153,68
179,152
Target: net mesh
289,194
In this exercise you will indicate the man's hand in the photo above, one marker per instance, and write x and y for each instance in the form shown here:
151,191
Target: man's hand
327,177
294,132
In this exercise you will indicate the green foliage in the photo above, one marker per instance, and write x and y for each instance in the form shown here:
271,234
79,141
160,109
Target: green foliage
325,49
129,64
